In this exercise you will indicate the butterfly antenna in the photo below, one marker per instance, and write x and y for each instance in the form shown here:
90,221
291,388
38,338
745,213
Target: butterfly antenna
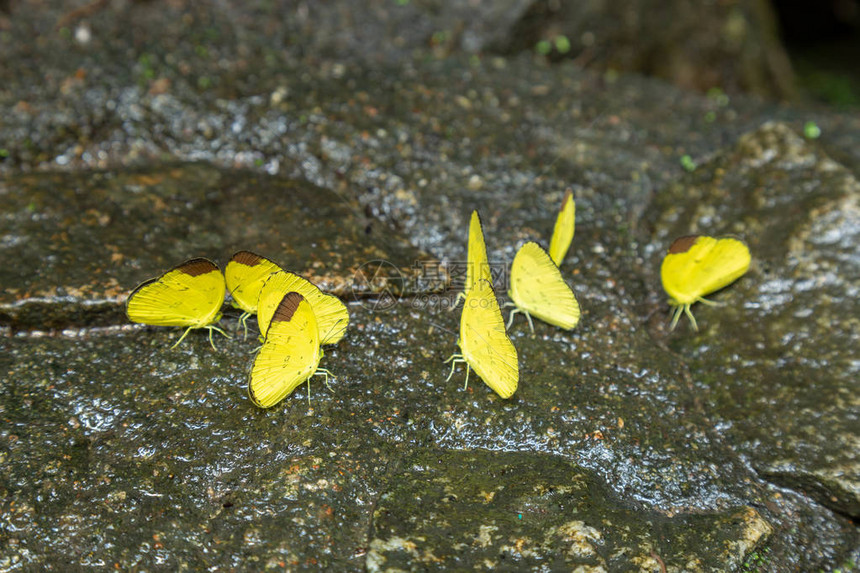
330,330
440,327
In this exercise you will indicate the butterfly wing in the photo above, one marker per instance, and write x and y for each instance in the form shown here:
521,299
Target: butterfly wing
290,354
190,294
538,288
698,265
484,342
331,314
477,267
245,274
562,233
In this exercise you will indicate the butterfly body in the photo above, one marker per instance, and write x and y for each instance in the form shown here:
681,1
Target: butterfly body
290,354
562,232
332,316
190,294
245,275
484,344
477,265
538,289
697,265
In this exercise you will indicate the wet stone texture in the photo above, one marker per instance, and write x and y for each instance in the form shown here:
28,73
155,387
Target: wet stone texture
137,224
626,447
779,367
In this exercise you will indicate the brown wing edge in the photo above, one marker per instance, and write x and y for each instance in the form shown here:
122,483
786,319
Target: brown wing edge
683,244
287,307
248,258
568,195
192,267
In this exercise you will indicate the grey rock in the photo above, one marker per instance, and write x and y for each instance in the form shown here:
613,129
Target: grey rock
717,451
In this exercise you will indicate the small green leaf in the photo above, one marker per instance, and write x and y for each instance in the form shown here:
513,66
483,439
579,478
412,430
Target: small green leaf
544,47
811,130
562,44
687,163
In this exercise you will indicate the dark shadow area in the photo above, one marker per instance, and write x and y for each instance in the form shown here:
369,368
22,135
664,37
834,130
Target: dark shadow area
823,42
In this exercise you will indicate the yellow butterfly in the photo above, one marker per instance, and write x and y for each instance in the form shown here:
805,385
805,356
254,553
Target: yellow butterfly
562,233
331,314
697,265
190,294
245,274
290,354
484,344
537,288
477,267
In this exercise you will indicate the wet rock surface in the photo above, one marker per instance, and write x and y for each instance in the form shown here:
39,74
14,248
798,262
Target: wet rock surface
137,223
626,446
780,365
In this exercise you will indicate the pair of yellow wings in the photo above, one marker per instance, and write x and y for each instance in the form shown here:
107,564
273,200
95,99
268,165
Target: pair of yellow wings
484,344
295,317
537,287
290,354
698,265
477,266
562,232
190,294
258,285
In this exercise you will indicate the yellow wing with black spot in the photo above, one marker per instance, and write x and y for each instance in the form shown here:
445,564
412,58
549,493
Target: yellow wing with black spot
484,342
190,294
245,274
698,265
538,288
562,233
290,353
332,316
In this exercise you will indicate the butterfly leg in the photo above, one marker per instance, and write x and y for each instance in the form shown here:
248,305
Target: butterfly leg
181,338
511,316
529,318
212,327
676,316
327,374
691,317
454,360
468,368
460,295
243,320
709,302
